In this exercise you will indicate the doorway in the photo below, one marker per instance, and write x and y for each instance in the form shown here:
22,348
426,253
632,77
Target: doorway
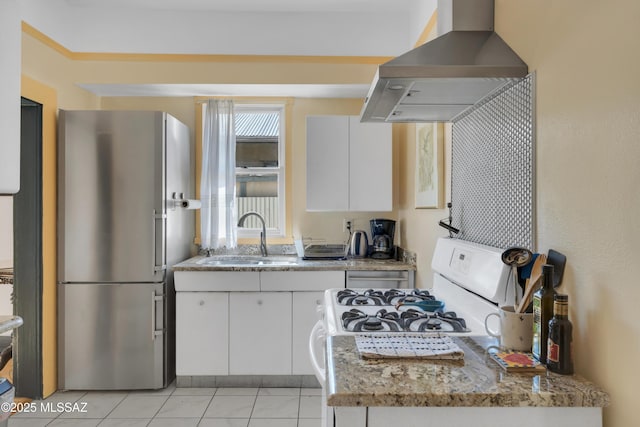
28,270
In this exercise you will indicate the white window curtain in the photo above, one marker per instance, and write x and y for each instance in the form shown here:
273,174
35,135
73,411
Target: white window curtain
218,179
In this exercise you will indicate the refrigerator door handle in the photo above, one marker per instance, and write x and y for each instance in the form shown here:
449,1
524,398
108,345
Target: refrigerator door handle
162,266
154,300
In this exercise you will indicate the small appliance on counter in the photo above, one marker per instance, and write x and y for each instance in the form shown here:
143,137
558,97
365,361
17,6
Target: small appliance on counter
359,244
382,232
310,249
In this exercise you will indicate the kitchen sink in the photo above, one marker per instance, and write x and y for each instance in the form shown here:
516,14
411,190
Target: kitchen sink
248,260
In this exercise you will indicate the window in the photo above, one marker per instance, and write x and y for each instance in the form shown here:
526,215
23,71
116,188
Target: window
260,167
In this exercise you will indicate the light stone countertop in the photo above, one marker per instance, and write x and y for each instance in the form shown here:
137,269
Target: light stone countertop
295,263
476,382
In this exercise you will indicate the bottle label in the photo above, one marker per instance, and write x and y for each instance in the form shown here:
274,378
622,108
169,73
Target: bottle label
537,326
553,351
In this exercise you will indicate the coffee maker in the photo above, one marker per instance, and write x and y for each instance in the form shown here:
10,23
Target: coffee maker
382,231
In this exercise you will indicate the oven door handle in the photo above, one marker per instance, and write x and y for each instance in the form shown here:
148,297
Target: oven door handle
317,340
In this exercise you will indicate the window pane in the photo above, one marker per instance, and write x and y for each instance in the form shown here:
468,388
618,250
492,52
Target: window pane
257,139
258,193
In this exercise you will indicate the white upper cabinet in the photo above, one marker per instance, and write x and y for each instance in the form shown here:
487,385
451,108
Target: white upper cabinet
328,163
370,171
10,33
349,164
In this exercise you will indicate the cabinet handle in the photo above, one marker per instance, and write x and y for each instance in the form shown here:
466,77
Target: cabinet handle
201,302
378,279
259,302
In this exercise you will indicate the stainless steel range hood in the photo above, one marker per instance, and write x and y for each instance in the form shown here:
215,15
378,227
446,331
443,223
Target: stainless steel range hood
439,80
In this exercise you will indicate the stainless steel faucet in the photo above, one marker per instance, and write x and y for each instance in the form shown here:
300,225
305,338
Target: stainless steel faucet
263,233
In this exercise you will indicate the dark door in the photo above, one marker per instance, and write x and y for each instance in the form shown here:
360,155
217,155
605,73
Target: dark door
27,226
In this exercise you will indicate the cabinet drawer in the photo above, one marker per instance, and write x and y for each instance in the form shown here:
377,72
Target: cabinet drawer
217,281
301,280
380,279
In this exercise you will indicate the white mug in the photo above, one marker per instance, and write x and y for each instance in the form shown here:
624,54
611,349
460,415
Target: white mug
516,329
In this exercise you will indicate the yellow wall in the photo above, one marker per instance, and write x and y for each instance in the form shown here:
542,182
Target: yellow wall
587,127
419,227
585,55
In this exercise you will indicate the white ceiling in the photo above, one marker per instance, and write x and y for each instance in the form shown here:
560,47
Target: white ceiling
269,90
232,27
252,5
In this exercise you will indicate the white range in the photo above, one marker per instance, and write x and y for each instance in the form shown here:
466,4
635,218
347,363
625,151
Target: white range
469,282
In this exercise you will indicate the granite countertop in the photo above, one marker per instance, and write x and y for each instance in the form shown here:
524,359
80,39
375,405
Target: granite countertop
294,263
475,382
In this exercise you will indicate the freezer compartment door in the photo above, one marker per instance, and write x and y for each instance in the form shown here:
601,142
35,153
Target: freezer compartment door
110,336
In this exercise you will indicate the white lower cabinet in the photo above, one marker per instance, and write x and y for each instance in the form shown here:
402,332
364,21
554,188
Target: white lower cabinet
260,333
245,323
304,317
202,333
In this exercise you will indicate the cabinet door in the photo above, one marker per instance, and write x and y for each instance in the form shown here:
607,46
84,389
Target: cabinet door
327,163
10,36
260,333
6,235
370,169
305,315
202,333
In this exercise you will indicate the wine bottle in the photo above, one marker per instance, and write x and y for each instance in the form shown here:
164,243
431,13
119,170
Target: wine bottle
542,313
559,357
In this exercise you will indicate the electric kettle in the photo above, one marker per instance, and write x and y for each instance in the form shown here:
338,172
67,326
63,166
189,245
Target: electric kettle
359,244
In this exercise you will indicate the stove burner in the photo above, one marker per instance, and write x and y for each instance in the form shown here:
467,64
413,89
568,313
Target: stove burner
379,297
415,296
419,321
431,324
372,324
359,300
357,321
368,297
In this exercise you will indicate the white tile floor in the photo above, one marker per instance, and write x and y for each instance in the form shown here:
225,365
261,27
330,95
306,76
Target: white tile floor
177,407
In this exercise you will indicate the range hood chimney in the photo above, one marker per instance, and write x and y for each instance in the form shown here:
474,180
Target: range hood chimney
439,80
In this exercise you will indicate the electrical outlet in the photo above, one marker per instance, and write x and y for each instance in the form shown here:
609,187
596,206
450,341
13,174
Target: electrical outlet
347,225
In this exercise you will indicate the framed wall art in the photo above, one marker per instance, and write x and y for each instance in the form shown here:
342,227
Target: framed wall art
429,185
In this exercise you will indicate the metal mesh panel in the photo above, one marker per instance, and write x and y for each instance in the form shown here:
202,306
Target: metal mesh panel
492,177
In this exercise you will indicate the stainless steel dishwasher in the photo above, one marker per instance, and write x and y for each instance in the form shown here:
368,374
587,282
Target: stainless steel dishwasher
387,279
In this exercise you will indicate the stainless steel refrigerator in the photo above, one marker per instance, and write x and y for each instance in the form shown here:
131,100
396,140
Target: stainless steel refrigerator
119,232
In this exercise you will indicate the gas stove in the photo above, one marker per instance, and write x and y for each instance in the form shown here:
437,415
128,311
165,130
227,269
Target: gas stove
403,310
412,320
470,281
352,311
359,297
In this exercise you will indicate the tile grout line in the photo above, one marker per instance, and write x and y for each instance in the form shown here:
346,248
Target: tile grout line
114,408
166,397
